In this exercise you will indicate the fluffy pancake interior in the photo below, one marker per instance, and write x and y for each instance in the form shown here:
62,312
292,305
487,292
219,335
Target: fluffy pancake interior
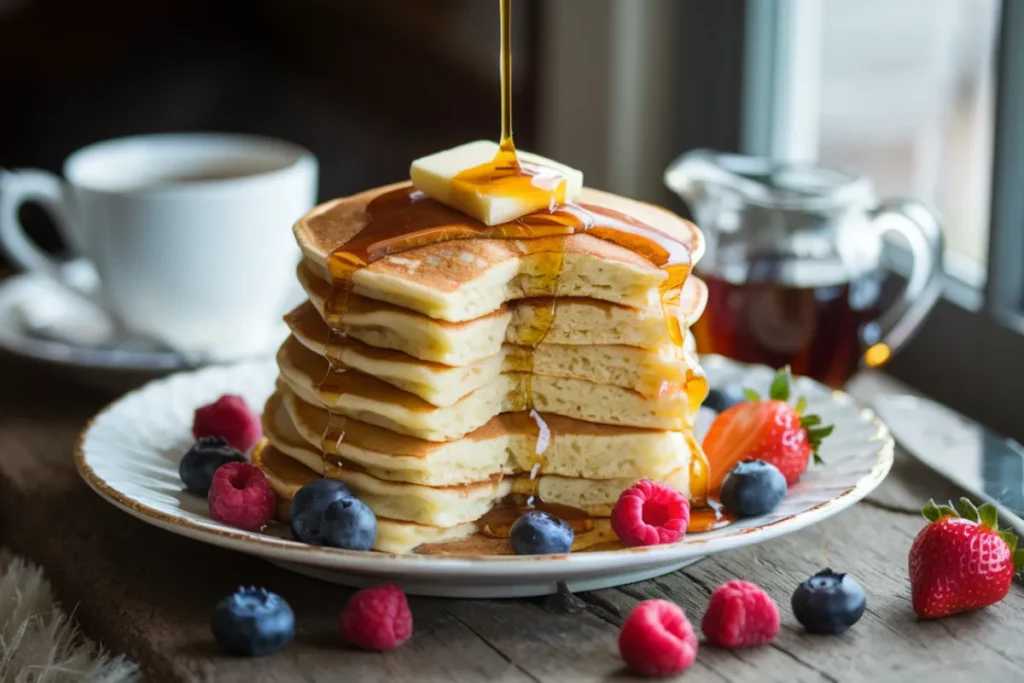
650,373
466,279
506,445
366,398
575,321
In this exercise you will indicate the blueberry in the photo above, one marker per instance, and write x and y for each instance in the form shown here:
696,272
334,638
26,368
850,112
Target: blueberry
753,488
348,523
828,602
538,533
252,622
203,459
721,399
309,504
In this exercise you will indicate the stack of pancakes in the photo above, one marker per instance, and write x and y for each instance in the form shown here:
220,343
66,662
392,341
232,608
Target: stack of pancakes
432,400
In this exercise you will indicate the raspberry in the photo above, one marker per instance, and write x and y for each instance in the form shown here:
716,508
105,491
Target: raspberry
376,619
649,513
240,495
230,418
657,639
740,614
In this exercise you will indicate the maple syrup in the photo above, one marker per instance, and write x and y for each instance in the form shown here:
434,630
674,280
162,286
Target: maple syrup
498,521
707,518
405,219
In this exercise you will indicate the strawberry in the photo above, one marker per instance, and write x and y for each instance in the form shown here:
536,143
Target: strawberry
769,430
961,561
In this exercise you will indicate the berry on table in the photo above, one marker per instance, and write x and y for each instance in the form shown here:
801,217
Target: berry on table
204,457
230,418
308,506
769,430
961,561
240,496
376,619
540,533
753,488
740,614
252,622
348,523
828,602
657,639
649,513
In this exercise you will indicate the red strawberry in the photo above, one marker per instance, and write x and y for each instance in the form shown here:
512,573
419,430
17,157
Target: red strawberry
772,431
961,561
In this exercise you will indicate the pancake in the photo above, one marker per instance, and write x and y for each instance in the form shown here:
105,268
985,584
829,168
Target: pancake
506,445
366,398
466,279
473,379
576,321
287,475
456,504
647,372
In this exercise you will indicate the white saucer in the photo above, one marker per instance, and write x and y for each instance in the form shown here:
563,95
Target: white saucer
129,455
30,292
42,321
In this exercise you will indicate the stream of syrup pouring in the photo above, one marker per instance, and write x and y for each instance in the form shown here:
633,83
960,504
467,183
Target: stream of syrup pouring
406,219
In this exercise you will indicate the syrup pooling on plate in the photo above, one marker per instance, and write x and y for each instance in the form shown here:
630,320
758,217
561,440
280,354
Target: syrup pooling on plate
708,518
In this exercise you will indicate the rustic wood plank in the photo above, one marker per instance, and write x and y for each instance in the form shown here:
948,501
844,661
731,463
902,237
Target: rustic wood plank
871,544
148,593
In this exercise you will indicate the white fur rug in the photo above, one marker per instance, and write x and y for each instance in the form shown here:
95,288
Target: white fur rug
38,642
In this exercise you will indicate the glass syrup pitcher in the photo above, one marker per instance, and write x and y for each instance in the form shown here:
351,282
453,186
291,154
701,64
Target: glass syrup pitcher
793,263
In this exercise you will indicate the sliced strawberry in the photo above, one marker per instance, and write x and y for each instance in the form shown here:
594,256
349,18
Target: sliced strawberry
961,561
769,430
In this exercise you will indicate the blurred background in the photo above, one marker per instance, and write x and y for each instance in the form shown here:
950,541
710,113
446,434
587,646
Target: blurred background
901,91
904,91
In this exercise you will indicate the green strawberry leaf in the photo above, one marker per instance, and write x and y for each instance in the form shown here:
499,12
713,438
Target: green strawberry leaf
1011,540
931,511
817,459
810,421
947,511
801,406
816,434
988,515
967,510
1018,559
779,390
751,395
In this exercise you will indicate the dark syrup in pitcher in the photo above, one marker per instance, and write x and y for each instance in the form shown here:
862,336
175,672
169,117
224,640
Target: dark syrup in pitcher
818,329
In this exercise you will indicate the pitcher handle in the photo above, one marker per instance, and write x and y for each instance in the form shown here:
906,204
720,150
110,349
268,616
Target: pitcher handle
922,230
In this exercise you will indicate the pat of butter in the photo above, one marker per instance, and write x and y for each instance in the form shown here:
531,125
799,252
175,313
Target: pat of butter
438,176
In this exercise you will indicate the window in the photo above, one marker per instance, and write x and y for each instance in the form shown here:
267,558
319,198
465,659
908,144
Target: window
925,97
900,92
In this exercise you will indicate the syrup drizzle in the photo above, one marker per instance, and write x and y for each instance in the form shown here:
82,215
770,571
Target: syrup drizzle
405,219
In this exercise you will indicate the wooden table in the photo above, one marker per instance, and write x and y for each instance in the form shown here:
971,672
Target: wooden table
148,593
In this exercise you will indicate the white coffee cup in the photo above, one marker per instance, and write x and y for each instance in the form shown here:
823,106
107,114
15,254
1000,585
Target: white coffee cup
189,234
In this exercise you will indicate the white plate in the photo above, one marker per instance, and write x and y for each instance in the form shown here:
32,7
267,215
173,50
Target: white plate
129,454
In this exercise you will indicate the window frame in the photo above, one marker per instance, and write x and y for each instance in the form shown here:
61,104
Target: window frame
964,353
967,352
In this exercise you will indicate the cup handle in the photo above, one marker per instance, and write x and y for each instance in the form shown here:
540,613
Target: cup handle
922,230
17,188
